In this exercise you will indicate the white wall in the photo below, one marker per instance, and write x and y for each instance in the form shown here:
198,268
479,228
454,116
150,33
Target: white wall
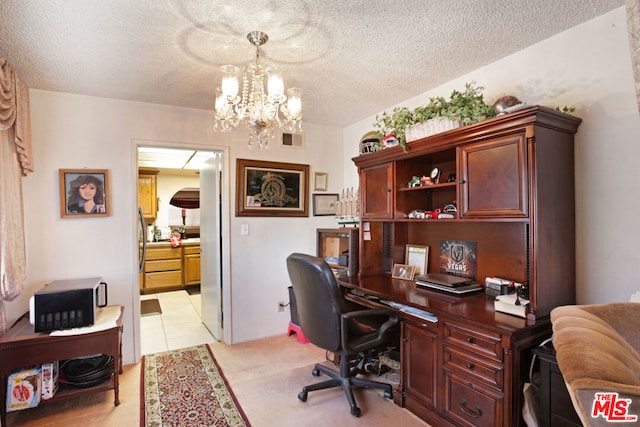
588,67
72,131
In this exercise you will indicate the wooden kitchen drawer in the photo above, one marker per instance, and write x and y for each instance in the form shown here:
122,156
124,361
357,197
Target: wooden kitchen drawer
163,253
188,250
162,265
475,340
476,369
163,279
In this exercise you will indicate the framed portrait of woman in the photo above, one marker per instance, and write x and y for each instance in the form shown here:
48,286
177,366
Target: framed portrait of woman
84,193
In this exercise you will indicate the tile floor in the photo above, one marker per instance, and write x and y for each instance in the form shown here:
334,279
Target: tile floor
178,326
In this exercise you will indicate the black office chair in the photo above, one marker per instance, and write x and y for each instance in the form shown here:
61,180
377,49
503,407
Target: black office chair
329,322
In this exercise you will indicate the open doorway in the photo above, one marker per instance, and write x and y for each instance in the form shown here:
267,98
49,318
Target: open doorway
172,276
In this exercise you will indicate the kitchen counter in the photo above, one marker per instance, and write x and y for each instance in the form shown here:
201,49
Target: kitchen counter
166,243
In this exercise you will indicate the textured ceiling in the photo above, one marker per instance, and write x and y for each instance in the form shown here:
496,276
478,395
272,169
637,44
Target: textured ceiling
352,58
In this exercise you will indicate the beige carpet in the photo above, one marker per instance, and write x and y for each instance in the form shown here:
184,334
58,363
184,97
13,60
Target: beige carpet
267,375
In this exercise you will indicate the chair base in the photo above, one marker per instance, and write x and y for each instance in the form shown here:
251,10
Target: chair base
337,379
295,329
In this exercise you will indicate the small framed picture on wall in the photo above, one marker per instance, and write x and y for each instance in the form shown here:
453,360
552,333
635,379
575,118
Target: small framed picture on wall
84,193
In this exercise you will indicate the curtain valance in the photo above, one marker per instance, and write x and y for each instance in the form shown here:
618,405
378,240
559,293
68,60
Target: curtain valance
14,111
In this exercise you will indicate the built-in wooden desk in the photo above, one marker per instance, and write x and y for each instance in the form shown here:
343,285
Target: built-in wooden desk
468,367
22,347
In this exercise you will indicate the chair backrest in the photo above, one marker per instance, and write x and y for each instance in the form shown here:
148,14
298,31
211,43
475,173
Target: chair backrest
318,298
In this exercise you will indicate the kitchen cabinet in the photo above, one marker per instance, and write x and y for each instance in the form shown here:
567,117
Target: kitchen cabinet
163,268
168,268
191,265
148,193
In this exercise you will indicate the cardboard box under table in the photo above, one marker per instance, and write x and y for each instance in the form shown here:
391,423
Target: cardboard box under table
23,389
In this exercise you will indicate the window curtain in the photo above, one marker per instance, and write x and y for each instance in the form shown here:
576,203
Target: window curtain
15,161
633,28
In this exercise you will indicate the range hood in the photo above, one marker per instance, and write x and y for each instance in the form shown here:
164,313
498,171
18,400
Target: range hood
186,198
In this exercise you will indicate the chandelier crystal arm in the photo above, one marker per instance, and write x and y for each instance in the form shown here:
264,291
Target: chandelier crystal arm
262,105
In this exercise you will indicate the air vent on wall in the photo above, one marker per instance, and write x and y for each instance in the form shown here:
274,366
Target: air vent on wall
295,140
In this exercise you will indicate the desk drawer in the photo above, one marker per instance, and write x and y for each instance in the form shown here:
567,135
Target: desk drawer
476,369
475,340
162,265
470,405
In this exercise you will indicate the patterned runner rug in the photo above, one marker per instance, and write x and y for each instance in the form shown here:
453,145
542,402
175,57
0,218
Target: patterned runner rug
186,387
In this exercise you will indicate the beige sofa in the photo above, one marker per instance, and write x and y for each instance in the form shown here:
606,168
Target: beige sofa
598,351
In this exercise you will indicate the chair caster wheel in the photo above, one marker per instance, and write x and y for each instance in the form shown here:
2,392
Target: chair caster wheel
315,372
302,396
355,412
388,394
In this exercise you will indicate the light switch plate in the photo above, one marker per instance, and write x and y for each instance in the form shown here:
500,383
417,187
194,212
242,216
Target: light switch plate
244,229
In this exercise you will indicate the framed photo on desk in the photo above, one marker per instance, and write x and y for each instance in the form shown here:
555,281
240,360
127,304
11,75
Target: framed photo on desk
417,256
403,271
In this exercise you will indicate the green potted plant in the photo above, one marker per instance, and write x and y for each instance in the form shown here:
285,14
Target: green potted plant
467,107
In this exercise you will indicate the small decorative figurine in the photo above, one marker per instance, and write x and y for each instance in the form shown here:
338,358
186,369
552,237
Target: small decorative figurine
389,141
425,180
415,182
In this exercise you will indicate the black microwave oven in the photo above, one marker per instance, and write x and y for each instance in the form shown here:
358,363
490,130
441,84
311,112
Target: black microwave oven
67,304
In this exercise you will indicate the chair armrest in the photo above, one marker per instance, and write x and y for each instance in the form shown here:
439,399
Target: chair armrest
382,331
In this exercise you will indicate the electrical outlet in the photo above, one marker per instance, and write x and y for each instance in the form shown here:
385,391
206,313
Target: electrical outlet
280,305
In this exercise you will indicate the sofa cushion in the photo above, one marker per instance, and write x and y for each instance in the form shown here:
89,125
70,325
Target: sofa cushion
596,349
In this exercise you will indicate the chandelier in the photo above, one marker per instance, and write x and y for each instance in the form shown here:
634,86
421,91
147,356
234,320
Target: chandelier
259,109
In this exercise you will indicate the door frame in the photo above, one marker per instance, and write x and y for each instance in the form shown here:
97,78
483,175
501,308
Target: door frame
225,220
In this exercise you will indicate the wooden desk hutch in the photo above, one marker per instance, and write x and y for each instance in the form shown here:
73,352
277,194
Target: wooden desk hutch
514,190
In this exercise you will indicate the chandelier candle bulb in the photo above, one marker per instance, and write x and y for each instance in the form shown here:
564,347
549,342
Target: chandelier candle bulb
229,80
294,104
220,100
275,85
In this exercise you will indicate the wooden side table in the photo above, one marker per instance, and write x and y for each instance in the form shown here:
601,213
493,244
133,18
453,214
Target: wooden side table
556,407
21,347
